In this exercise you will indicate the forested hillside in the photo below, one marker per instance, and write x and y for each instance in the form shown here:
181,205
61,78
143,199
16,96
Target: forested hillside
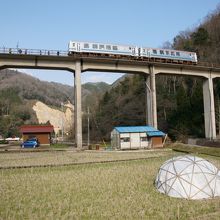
179,99
19,92
205,39
31,88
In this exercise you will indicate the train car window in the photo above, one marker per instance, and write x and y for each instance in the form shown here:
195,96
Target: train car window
167,52
108,47
155,51
172,53
161,52
101,46
114,48
86,45
178,53
95,46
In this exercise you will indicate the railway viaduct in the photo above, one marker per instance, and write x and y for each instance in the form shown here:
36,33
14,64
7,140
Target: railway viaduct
58,60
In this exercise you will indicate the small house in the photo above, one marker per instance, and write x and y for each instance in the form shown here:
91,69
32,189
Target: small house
41,132
136,137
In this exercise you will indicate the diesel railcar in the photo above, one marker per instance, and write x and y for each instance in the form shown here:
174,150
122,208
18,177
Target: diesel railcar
132,52
100,48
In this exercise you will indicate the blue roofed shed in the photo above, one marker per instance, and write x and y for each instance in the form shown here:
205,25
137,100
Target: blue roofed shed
136,137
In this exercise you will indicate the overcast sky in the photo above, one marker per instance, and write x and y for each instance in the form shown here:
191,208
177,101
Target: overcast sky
51,24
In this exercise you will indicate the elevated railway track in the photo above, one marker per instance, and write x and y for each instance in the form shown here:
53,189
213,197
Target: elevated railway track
63,53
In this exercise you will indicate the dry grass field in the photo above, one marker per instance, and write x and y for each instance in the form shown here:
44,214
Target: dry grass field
117,190
54,158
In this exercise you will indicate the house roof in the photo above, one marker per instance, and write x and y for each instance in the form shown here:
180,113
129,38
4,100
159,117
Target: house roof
151,131
36,129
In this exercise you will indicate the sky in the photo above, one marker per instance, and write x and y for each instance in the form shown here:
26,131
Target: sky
51,24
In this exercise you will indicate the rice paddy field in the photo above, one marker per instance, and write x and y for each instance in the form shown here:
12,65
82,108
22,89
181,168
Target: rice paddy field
92,185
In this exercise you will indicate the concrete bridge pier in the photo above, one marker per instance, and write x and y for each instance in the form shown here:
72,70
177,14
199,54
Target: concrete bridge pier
151,108
149,120
209,108
78,104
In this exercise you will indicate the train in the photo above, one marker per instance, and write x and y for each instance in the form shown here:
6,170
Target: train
131,52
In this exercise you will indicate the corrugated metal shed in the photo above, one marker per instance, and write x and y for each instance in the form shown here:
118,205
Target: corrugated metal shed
151,131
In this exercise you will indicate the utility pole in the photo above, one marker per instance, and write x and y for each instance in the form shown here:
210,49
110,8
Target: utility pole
88,140
62,119
218,116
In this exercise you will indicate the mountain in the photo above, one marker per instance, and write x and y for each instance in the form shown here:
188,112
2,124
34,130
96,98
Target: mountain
19,92
92,93
31,88
96,87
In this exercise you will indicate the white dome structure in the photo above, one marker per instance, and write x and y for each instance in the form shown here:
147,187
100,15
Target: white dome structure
188,177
